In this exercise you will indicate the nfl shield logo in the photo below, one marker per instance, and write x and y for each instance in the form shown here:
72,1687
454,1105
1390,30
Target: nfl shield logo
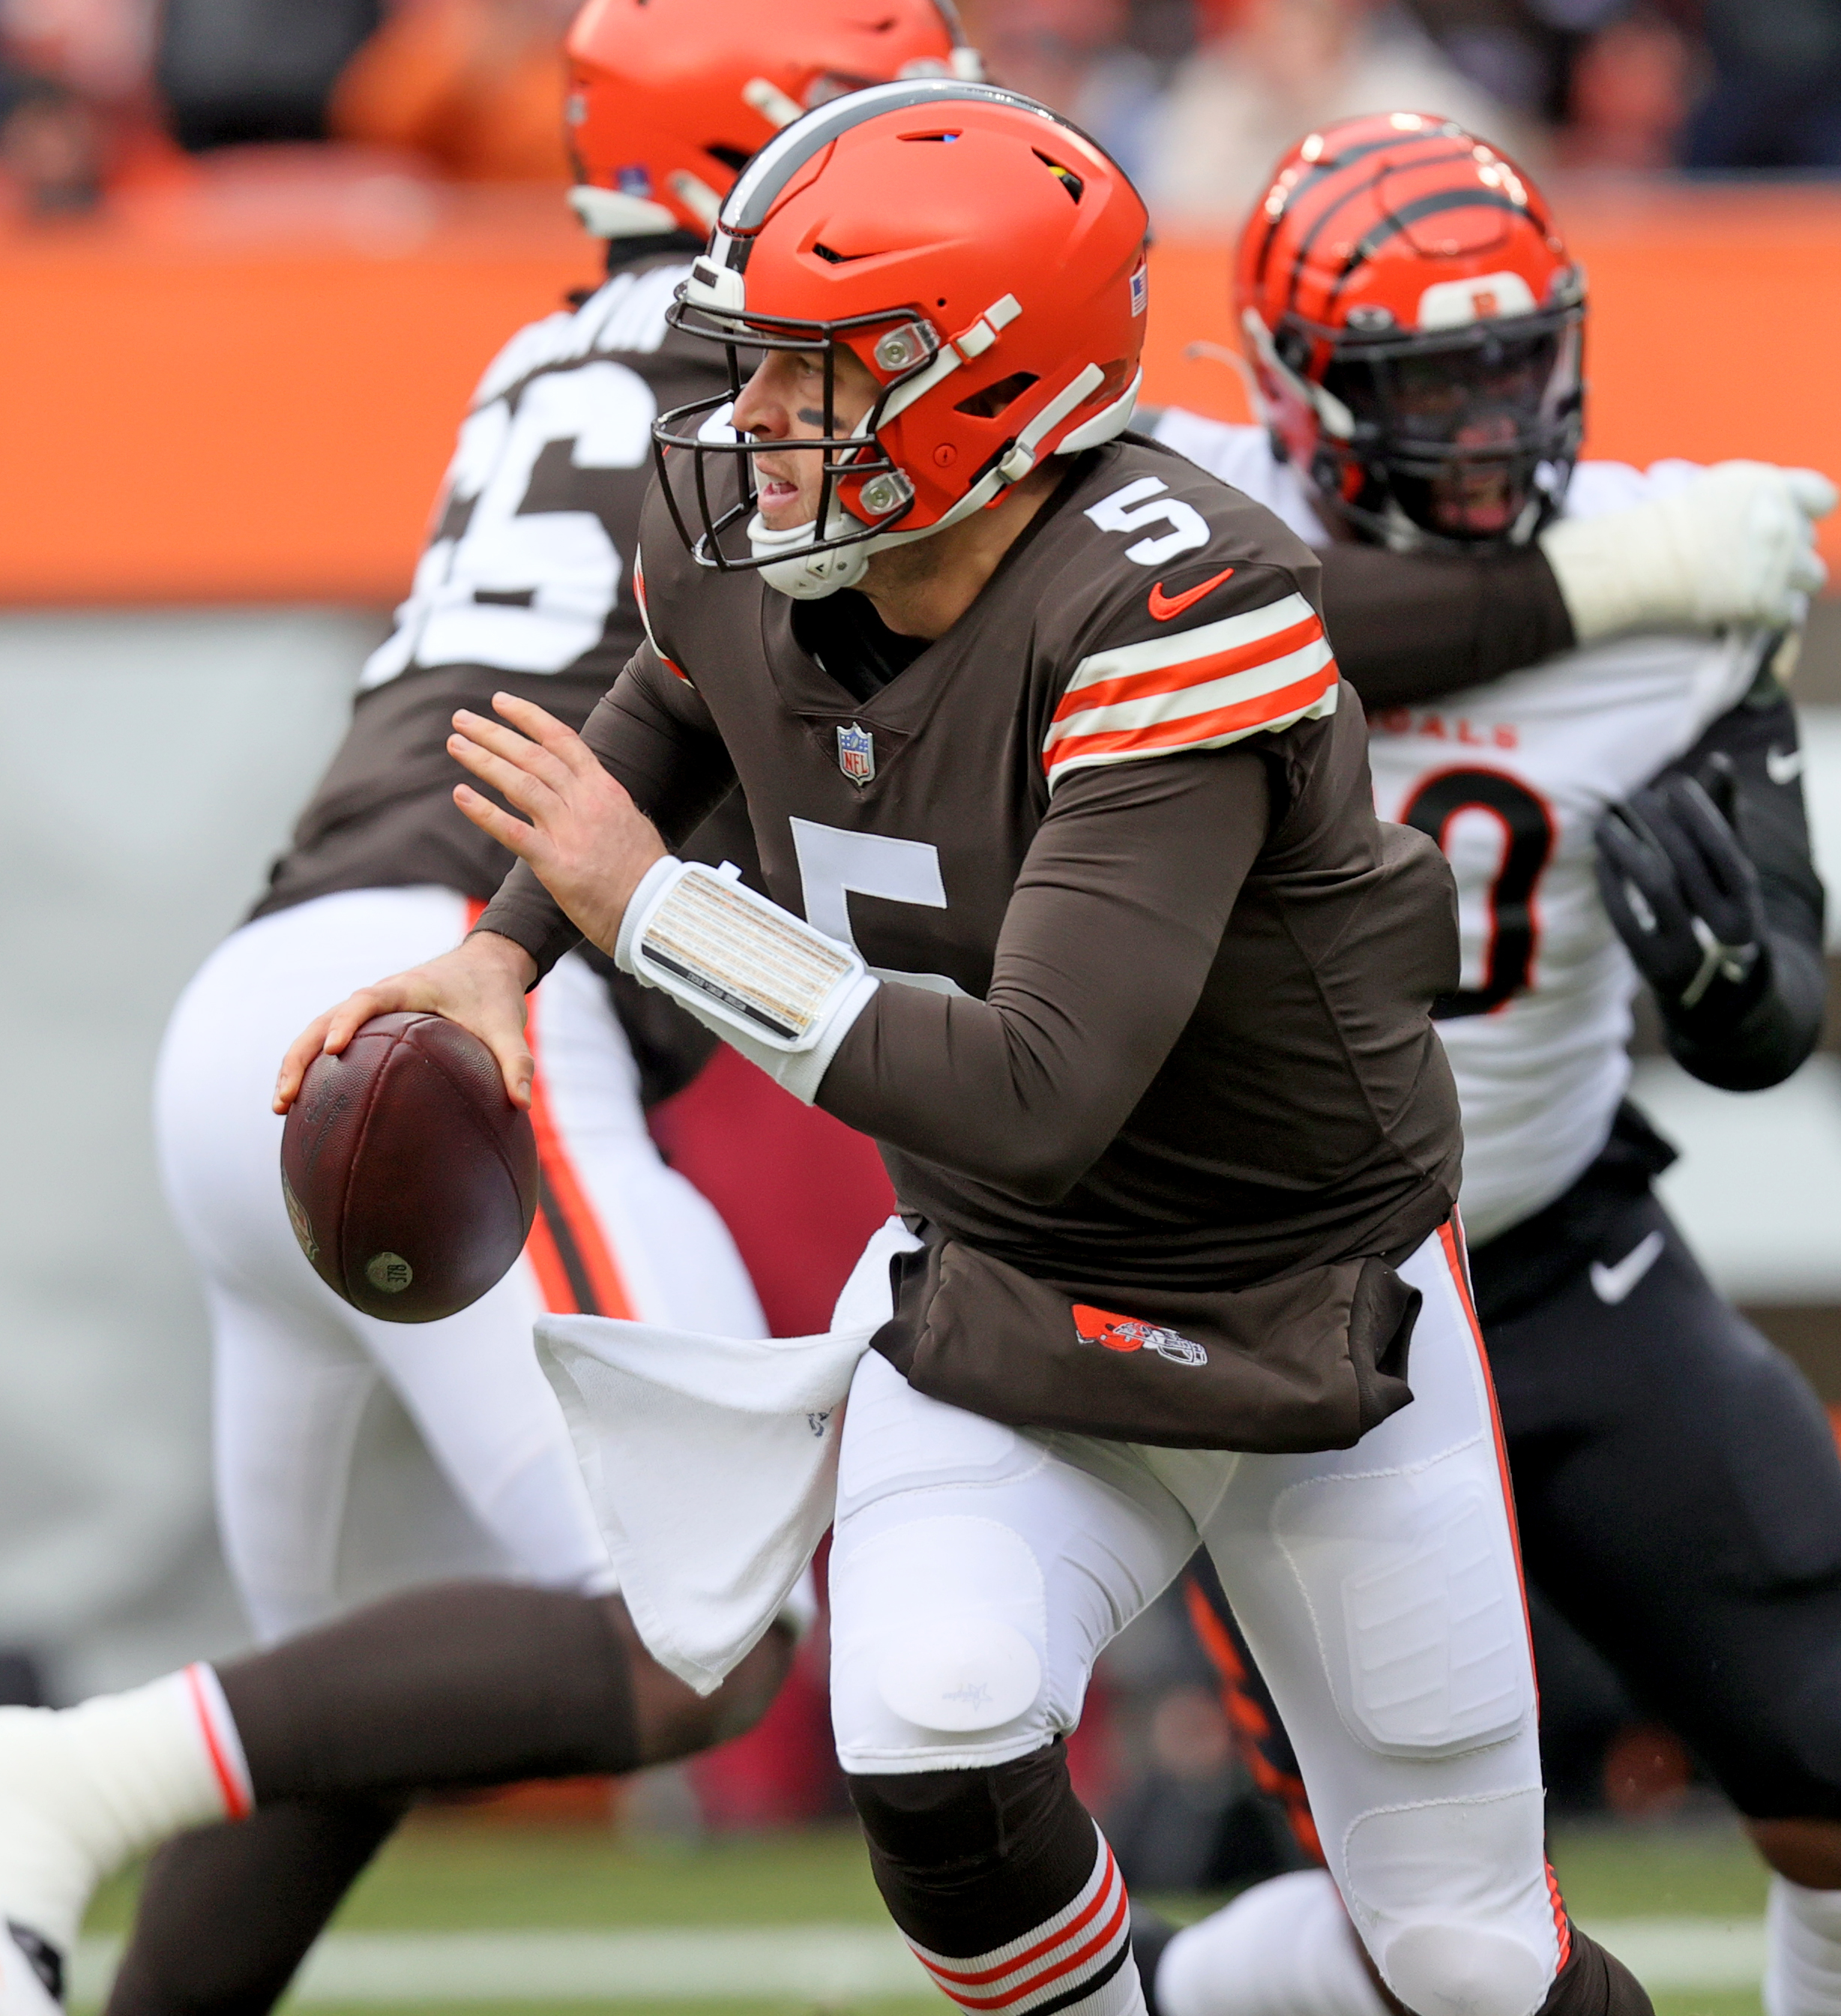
856,754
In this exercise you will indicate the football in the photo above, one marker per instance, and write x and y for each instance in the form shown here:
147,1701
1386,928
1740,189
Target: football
411,1179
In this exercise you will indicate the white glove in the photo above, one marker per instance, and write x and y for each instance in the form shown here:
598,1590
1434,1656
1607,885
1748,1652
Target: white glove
1735,546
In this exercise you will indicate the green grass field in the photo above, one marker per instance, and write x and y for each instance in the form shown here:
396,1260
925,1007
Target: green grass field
453,1874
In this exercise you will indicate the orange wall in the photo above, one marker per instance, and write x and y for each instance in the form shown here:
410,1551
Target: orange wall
202,406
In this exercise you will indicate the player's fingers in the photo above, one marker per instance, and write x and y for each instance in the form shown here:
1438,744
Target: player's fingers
533,720
305,1047
1714,868
556,736
528,754
517,1066
525,841
1628,847
512,778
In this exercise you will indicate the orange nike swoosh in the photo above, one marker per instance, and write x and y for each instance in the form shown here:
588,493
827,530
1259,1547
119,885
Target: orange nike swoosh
1163,606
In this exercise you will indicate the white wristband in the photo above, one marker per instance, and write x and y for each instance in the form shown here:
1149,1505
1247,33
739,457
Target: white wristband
764,981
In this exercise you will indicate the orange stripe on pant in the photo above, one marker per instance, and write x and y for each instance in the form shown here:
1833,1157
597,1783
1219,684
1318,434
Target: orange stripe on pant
1450,1236
577,1272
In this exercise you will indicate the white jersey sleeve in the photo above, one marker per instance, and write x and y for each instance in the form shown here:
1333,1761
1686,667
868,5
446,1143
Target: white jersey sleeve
1510,779
1242,457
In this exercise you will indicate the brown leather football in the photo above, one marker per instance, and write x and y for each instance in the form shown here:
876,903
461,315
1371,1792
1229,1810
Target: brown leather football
410,1177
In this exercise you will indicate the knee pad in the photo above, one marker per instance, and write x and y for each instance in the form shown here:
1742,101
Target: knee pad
1465,1971
1451,1898
939,1632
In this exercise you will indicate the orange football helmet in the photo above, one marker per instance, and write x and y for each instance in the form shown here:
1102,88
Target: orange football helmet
981,257
1414,326
669,98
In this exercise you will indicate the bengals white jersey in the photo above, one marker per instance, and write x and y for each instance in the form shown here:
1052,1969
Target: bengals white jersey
1510,779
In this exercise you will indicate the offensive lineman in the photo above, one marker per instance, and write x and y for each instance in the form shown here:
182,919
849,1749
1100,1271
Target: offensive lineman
523,585
1138,1014
1678,1487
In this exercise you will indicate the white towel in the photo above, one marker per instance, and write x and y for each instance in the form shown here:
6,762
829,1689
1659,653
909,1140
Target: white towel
712,1461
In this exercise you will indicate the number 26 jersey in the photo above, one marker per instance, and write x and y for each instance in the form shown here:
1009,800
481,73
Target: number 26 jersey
1510,779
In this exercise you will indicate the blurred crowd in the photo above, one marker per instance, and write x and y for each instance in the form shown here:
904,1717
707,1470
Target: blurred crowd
1195,97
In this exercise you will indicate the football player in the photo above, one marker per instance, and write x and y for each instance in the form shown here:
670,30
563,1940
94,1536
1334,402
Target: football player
1038,722
1623,804
525,585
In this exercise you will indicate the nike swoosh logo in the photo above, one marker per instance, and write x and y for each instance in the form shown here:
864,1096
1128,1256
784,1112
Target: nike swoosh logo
1163,606
1786,765
1612,1284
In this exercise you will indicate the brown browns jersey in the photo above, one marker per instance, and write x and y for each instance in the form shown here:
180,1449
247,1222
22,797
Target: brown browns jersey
1165,980
526,585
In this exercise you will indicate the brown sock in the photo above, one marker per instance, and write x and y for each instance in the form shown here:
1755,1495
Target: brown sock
470,1683
1594,1983
226,1914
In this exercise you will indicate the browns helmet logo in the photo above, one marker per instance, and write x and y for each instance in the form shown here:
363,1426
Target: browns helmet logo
1114,1332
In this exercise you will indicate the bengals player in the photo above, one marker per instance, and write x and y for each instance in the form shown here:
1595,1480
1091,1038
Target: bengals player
1038,724
527,584
1623,804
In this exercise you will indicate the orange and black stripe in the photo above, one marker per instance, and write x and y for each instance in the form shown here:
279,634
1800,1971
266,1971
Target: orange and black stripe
1252,1715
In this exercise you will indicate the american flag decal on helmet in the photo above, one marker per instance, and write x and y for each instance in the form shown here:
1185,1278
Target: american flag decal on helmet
1116,1332
1141,288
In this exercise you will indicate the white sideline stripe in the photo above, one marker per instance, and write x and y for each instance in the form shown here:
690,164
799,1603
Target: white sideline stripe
823,1963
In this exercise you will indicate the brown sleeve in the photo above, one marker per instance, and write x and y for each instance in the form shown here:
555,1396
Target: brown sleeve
1411,627
652,733
1107,945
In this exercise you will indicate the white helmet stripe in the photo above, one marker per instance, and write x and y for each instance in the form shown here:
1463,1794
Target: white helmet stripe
758,187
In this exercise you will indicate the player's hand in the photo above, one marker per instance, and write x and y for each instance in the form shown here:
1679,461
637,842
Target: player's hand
1736,546
480,984
1682,892
585,840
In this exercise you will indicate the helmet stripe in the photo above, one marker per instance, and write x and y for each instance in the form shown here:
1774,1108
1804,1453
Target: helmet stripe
1315,229
1305,183
1434,205
760,185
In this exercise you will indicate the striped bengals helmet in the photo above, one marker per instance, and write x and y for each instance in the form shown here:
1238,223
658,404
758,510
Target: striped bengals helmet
1415,325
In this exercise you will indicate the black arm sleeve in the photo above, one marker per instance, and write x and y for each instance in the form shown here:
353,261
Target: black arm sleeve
1107,945
1410,626
652,733
1782,1022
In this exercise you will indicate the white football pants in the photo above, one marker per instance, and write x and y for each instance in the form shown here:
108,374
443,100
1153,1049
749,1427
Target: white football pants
295,1365
977,1572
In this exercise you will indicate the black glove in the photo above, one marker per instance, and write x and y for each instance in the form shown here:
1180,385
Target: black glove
1683,895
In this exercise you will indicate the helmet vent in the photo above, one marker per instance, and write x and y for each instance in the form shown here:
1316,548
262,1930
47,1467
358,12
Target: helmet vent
1068,179
995,399
734,159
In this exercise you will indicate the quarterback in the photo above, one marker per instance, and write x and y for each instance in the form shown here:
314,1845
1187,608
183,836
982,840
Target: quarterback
1081,909
527,584
1623,804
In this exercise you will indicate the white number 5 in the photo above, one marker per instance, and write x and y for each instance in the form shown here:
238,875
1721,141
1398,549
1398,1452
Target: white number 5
1138,505
832,863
